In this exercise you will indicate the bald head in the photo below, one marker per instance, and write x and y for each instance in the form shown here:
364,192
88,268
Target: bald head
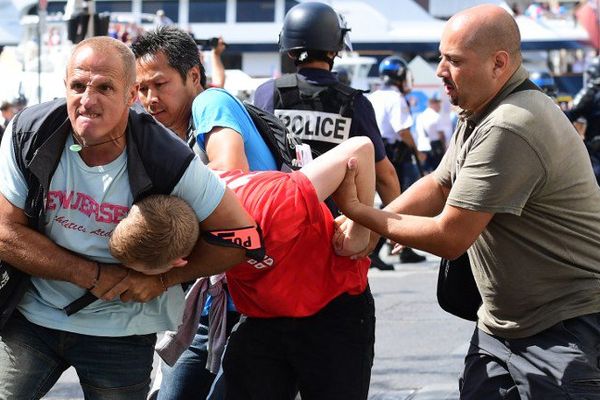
108,45
486,29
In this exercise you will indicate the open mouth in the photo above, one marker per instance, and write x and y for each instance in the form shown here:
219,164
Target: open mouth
88,115
448,87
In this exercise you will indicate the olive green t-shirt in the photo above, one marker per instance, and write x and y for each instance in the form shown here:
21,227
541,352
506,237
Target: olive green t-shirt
538,260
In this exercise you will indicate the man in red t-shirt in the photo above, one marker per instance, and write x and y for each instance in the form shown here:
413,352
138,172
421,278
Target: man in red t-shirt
294,306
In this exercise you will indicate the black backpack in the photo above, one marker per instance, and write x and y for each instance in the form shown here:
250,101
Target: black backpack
279,140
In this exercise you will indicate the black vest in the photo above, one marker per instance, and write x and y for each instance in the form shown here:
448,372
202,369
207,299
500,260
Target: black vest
156,160
320,115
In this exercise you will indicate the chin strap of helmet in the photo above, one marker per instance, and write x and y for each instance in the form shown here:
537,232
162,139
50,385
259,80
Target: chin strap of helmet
306,55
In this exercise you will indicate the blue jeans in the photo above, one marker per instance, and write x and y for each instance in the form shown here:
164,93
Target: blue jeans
32,358
189,378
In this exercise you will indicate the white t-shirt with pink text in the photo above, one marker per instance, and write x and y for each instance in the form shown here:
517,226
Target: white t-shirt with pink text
83,206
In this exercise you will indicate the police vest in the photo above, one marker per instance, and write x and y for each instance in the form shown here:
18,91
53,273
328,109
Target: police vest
319,115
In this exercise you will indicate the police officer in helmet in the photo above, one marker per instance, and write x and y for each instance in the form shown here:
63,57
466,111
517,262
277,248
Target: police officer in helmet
587,105
395,121
315,106
329,354
393,70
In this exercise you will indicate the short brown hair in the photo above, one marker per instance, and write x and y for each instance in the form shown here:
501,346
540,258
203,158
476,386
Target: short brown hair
157,230
106,44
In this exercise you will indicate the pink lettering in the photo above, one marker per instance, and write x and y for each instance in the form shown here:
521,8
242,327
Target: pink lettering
103,212
66,199
87,204
50,203
94,206
78,199
120,213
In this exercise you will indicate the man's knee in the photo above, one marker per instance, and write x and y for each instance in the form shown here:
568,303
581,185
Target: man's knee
137,391
28,367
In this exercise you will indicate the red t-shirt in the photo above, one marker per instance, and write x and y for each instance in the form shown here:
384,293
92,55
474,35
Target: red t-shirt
305,274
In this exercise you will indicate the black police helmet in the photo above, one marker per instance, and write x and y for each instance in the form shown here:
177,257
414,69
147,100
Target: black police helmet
592,72
393,68
313,26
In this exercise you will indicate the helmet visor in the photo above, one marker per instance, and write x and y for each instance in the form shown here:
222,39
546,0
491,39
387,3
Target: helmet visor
345,33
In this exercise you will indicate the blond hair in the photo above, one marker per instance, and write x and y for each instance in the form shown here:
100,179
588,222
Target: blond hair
158,230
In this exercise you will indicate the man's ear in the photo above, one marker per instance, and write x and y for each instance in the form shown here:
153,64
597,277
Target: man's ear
132,96
501,62
180,262
194,74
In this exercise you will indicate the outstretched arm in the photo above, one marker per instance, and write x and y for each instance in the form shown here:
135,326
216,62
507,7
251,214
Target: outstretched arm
218,70
448,234
327,172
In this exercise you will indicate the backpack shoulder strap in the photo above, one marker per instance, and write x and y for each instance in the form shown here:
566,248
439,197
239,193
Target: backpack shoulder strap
287,81
287,91
275,136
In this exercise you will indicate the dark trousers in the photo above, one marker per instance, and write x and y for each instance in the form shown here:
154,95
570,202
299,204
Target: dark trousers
561,362
404,162
326,356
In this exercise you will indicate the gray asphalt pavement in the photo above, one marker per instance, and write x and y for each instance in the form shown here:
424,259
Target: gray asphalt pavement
419,348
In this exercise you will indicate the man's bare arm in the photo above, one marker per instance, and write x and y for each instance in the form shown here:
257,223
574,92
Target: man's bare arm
448,234
225,150
426,197
407,138
218,70
386,181
35,254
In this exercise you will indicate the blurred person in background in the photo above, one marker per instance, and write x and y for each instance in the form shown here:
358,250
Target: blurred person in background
162,19
395,120
431,140
8,111
586,105
217,76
